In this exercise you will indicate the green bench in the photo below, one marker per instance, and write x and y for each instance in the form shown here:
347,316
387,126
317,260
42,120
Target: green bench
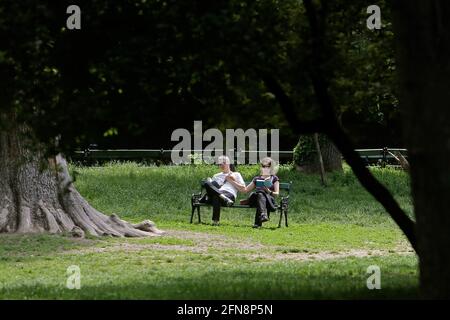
282,205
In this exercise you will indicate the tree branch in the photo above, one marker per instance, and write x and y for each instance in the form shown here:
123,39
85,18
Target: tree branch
287,106
332,128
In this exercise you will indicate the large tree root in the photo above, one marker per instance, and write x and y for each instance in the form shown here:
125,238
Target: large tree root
34,201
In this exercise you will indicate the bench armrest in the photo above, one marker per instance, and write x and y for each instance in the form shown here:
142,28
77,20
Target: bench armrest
284,202
196,197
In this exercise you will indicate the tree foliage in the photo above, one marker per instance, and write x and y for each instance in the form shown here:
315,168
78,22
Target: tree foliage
139,69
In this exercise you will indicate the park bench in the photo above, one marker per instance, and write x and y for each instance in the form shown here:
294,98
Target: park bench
282,205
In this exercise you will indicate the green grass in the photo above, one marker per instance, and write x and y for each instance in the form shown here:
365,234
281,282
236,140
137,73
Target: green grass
136,192
335,233
168,275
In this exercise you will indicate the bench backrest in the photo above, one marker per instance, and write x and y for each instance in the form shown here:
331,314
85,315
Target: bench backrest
284,186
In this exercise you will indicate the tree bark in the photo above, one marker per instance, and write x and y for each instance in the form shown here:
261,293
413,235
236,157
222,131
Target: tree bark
401,160
37,195
331,157
422,29
319,155
329,124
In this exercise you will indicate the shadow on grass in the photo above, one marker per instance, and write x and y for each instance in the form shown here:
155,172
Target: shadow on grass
236,284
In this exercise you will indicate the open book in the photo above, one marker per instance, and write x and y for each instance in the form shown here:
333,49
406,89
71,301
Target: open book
260,183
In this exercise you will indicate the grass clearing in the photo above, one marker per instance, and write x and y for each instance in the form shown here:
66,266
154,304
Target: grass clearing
335,233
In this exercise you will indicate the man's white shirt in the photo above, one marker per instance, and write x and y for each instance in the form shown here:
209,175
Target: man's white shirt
227,186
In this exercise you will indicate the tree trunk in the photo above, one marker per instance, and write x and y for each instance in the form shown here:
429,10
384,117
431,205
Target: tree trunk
36,198
332,158
319,155
423,40
308,160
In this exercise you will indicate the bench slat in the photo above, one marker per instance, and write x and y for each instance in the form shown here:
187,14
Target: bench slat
283,185
281,206
242,206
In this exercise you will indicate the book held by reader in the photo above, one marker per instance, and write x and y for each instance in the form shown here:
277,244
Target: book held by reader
263,183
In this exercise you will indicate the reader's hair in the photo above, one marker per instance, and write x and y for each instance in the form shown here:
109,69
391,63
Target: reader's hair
226,159
273,165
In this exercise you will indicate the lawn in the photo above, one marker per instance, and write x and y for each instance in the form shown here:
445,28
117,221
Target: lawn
335,233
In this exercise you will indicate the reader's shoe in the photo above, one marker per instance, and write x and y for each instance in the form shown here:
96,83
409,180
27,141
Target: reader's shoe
264,217
244,202
227,200
256,226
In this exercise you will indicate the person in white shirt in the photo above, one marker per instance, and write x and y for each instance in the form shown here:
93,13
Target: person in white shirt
223,187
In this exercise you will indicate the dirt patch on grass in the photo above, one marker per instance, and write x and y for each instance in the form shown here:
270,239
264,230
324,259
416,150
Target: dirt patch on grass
221,245
133,247
215,241
327,255
202,242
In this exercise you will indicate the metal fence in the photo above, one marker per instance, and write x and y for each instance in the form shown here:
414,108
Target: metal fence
380,156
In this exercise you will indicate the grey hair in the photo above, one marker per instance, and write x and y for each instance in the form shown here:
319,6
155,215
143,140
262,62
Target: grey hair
273,165
223,159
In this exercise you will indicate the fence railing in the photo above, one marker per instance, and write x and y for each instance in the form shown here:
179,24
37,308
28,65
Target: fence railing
383,156
380,156
164,155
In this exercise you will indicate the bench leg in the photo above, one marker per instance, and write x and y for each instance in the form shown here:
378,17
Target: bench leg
285,217
192,214
281,217
198,213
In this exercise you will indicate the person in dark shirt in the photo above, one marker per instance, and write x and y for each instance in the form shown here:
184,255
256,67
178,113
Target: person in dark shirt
265,187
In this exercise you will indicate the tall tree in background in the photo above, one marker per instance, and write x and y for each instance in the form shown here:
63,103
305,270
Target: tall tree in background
360,69
177,58
307,158
36,191
423,43
133,65
321,73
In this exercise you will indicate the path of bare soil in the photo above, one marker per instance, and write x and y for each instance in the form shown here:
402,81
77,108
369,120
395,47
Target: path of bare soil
206,243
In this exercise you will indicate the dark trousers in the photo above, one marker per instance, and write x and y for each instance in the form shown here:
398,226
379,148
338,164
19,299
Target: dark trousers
259,200
212,189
